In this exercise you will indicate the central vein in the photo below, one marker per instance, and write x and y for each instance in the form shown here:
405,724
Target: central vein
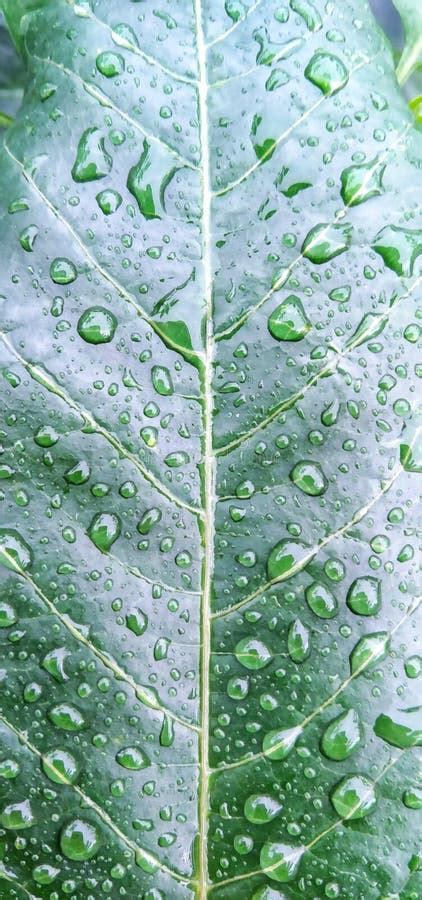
208,456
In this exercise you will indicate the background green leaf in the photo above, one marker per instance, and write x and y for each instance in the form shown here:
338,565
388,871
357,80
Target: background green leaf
211,269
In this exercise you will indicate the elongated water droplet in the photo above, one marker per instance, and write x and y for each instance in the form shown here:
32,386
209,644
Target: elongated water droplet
399,248
109,201
67,717
137,621
28,237
298,641
54,662
97,325
60,766
405,733
92,160
412,798
8,616
167,732
132,758
80,840
364,596
354,797
140,187
150,518
45,874
342,735
309,13
161,380
289,322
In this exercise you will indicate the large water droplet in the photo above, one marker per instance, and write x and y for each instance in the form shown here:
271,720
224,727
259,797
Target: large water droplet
364,596
63,271
79,473
92,160
97,325
109,201
359,183
66,716
309,477
321,601
17,816
132,758
104,530
298,641
354,797
60,766
54,662
137,621
289,322
309,14
80,840
161,380
46,436
45,874
15,553
287,558
369,649
325,241
110,64
8,616
279,743
150,518
280,861
342,735
253,653
399,248
261,808
403,734
327,72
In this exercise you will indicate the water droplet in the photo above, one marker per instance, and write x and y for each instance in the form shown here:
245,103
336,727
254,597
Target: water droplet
60,766
369,649
279,743
309,14
110,64
17,816
150,518
139,186
9,768
399,248
327,72
167,732
253,653
298,641
404,734
54,661
92,160
359,183
286,559
161,380
44,874
289,322
28,237
132,758
177,459
354,797
321,601
412,798
342,735
325,241
309,477
413,666
8,616
80,840
79,473
364,596
280,861
238,687
104,530
341,294
276,79
66,716
271,52
261,808
108,201
15,553
235,9
97,325
63,271
329,415
124,36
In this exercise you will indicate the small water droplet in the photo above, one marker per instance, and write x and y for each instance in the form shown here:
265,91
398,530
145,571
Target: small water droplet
110,64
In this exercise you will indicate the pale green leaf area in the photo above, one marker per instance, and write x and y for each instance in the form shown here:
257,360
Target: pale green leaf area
210,303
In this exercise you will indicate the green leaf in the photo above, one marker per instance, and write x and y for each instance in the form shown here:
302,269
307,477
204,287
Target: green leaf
410,12
210,456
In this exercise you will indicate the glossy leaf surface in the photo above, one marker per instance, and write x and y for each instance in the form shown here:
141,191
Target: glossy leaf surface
211,254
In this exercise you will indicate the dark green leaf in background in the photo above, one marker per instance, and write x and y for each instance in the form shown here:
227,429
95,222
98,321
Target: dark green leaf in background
210,311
